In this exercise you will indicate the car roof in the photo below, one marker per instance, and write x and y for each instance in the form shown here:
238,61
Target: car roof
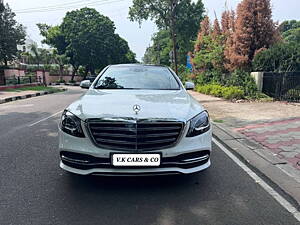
136,65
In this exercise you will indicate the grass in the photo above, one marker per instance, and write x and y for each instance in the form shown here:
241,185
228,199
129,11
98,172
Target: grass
34,88
219,121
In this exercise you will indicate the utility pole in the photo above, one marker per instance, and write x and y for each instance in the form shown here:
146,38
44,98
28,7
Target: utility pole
173,33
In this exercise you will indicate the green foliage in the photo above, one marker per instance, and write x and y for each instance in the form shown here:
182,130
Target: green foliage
217,90
242,79
183,73
203,78
294,93
158,53
215,79
292,35
87,38
53,37
81,71
283,57
35,88
182,19
11,35
210,55
288,25
72,81
60,81
210,76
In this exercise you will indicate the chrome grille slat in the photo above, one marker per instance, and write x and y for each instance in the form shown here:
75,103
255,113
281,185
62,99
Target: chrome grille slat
96,134
115,141
158,141
112,128
135,135
158,135
159,128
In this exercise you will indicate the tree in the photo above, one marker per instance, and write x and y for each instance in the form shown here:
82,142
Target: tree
216,32
159,52
292,35
288,25
11,35
254,30
35,54
210,55
180,17
87,39
122,53
209,49
204,31
228,29
53,37
61,61
282,57
290,30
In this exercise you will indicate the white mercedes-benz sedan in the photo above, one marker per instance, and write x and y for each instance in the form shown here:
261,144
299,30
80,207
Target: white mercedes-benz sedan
135,120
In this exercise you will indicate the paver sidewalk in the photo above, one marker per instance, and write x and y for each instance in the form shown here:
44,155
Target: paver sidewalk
281,137
274,126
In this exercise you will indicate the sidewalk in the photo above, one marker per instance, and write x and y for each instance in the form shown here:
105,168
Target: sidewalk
267,135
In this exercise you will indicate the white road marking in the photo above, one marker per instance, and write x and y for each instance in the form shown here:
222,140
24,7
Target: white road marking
288,206
45,119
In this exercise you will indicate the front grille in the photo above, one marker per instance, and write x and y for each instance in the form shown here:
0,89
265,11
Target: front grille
134,135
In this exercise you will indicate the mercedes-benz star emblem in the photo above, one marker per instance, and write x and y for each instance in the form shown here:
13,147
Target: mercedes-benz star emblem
136,109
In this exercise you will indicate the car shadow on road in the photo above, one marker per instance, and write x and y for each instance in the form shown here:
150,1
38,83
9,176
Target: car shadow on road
128,182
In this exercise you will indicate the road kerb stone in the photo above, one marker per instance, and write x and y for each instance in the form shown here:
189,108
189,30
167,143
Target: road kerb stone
15,98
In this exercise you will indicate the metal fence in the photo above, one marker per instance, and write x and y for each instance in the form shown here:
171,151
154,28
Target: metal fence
20,80
282,86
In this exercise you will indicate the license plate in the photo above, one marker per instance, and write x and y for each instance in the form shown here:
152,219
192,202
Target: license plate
136,159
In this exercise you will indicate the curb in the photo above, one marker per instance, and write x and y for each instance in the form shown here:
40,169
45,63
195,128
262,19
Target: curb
262,162
15,98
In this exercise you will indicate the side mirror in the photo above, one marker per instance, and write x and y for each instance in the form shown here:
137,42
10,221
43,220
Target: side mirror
189,86
85,84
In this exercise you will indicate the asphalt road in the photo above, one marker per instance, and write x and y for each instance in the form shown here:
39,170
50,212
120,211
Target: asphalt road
34,190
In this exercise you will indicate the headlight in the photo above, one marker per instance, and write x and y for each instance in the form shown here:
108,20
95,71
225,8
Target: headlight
199,125
71,124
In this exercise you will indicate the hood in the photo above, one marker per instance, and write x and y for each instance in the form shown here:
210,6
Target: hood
154,104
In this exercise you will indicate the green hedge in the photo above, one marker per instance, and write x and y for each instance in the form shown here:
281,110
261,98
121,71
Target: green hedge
217,90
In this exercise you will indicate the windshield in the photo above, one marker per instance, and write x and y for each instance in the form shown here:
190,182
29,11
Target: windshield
138,77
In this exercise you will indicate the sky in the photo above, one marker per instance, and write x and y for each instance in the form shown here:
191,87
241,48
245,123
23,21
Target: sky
138,37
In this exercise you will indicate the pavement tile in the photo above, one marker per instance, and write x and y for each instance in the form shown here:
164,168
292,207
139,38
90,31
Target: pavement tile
282,138
288,154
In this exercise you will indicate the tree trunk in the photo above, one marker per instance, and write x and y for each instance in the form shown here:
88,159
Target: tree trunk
61,72
173,22
75,69
73,74
86,72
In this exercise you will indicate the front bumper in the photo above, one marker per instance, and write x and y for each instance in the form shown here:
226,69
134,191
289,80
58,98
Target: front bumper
136,171
81,156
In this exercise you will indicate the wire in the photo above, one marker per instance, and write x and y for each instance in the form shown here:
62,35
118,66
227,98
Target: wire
102,2
51,6
64,7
